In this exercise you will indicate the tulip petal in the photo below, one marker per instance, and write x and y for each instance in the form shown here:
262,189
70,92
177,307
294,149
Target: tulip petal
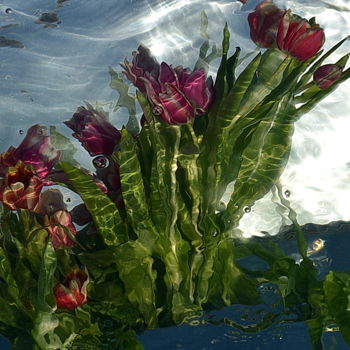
308,44
167,75
195,87
283,29
176,108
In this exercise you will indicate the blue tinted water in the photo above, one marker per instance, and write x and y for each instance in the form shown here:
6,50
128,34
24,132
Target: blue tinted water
54,55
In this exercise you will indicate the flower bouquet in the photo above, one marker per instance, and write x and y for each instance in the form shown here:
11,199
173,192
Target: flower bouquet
152,244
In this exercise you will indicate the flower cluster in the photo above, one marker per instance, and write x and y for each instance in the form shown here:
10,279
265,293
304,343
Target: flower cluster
270,25
176,94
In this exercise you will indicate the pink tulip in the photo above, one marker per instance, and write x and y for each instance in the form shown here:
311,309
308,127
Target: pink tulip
36,149
177,95
298,37
264,23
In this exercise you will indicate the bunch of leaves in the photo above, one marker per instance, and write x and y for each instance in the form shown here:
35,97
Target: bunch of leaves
167,253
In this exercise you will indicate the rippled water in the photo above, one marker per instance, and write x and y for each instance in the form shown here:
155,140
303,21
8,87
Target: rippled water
54,55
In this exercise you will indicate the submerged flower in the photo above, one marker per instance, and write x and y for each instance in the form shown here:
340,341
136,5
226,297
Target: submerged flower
143,64
325,76
50,201
94,131
72,292
264,23
20,187
58,225
176,95
36,149
298,37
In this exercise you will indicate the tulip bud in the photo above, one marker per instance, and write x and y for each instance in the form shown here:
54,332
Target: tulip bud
325,76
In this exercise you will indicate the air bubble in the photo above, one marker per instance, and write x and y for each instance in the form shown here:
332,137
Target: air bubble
100,162
68,200
8,11
157,110
21,132
247,209
287,193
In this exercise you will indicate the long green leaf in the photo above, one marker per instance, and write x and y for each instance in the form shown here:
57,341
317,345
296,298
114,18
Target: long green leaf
104,212
263,161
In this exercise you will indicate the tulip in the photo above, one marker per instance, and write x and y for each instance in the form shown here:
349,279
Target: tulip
36,149
57,225
143,64
175,94
50,202
298,37
325,76
264,23
94,131
20,187
72,292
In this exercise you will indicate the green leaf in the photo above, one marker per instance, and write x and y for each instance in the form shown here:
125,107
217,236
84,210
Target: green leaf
321,94
204,58
45,300
337,293
262,161
64,144
132,185
125,100
135,267
104,212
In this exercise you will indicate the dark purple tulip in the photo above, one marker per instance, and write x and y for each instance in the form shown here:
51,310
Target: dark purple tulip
298,37
94,131
264,22
325,76
143,64
177,95
36,149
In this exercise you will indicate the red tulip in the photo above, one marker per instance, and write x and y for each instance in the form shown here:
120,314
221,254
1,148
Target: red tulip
94,131
177,95
57,225
36,149
325,76
298,37
264,22
72,292
20,187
